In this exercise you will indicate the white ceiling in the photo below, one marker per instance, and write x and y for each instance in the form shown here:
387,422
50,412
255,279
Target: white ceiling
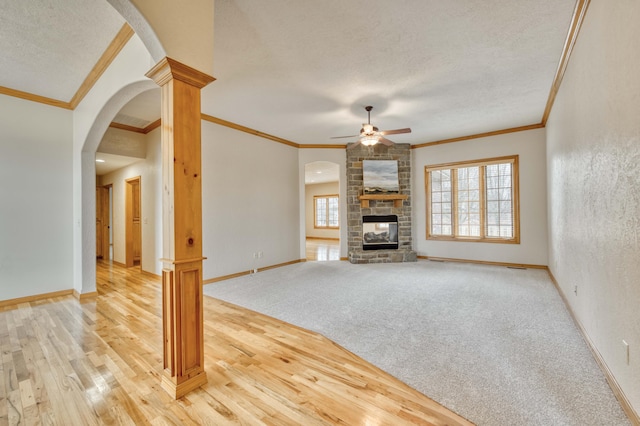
321,172
304,70
107,163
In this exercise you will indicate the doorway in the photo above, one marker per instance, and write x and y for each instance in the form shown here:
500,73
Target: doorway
133,224
322,215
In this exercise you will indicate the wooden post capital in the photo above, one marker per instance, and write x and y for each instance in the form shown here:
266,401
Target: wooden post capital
169,69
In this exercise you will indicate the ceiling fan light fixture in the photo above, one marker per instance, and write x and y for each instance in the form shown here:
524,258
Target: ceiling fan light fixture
367,128
369,140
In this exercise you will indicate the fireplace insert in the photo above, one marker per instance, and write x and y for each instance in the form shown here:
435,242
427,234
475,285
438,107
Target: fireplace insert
379,232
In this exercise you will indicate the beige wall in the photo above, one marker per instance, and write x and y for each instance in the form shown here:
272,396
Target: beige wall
330,188
530,146
149,170
249,197
250,201
593,150
36,196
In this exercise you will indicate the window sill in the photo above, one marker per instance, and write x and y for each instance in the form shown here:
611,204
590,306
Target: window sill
475,240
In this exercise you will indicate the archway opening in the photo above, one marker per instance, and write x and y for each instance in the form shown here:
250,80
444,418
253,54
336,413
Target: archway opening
99,127
322,211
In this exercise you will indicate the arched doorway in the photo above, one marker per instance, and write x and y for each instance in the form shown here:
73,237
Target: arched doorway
88,178
322,211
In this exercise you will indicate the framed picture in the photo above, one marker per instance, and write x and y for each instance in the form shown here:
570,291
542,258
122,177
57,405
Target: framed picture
380,176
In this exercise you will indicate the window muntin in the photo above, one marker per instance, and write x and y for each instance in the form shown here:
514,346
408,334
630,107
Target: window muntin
326,211
473,201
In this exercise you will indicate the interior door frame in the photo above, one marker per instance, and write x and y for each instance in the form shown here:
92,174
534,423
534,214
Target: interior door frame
102,222
106,221
129,234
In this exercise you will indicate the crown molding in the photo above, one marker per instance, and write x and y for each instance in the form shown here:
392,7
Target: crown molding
169,69
143,130
112,51
152,126
323,146
34,98
574,29
480,135
126,127
235,126
258,133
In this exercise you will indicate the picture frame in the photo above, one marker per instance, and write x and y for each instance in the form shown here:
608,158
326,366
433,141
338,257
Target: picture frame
380,177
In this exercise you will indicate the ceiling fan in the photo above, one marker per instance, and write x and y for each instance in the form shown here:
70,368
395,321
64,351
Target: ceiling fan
370,135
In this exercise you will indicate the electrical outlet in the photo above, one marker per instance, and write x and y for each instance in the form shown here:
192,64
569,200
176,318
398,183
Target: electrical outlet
255,270
260,255
626,351
255,255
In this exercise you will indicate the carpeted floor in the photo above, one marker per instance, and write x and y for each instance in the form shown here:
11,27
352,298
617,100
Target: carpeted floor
494,344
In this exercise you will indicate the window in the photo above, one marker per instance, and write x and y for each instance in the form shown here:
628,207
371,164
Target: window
474,201
326,211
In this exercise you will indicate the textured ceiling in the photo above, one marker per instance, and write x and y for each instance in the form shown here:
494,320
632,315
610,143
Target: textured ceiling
50,46
304,70
141,111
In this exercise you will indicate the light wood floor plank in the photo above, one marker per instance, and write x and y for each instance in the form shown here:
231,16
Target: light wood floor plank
99,362
318,249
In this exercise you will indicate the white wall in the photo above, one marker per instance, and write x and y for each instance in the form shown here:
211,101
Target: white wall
36,225
530,146
312,190
593,150
250,201
150,173
339,157
122,81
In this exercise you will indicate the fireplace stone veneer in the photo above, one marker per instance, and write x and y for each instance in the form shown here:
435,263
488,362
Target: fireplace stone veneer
379,207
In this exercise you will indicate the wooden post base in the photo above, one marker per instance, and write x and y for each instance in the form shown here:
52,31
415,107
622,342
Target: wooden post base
178,391
182,327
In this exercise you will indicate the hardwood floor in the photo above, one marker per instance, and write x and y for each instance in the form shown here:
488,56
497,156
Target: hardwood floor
321,249
100,362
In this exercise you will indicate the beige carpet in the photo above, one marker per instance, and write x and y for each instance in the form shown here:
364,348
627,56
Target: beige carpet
494,344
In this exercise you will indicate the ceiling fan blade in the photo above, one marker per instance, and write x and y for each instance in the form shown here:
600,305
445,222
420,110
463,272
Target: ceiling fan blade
395,132
342,137
385,141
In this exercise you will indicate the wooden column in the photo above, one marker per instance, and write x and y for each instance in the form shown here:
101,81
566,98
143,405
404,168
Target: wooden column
181,226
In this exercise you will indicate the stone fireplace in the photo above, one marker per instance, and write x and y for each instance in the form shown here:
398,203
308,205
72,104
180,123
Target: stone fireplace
379,226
